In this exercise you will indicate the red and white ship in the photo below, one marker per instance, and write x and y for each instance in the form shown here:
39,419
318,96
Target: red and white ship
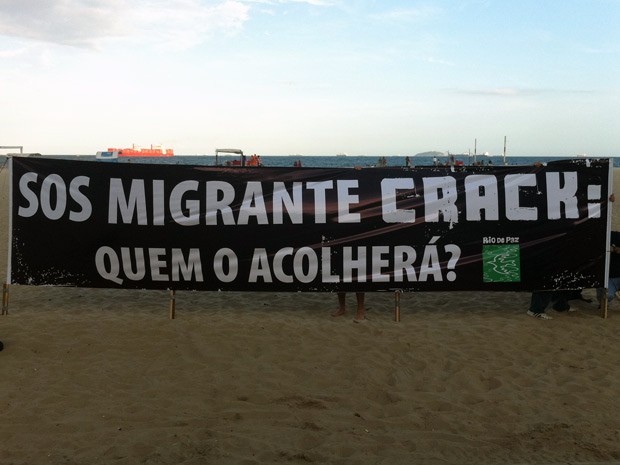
136,151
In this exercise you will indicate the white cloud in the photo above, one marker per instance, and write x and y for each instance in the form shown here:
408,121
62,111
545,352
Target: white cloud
185,23
91,23
408,14
16,52
281,2
519,92
68,22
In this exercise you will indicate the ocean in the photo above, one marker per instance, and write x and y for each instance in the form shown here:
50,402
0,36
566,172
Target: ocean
328,161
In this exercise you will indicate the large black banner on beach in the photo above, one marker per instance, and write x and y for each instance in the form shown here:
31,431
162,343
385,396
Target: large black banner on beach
153,226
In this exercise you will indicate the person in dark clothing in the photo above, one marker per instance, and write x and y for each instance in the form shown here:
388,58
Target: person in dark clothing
541,300
577,294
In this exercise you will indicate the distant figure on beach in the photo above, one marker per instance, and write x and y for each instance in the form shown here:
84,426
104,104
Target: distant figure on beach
297,164
360,315
408,161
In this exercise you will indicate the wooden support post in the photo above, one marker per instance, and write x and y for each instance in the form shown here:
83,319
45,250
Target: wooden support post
5,299
172,304
397,306
604,304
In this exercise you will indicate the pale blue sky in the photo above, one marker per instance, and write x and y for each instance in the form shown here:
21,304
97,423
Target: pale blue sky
314,77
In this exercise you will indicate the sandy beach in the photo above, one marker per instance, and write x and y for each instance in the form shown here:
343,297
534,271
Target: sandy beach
95,376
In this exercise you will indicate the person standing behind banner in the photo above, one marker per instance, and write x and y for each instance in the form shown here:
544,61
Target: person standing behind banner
613,285
360,315
541,299
614,266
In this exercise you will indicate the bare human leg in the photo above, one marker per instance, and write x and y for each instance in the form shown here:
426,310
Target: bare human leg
360,315
342,304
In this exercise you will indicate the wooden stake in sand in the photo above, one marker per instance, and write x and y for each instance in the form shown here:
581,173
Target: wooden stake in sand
172,303
397,306
5,299
604,305
5,286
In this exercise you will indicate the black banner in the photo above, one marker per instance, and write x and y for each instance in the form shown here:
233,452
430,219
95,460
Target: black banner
153,226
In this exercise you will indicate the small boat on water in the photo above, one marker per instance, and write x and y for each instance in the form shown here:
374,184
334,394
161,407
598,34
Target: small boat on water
136,151
253,160
107,155
21,152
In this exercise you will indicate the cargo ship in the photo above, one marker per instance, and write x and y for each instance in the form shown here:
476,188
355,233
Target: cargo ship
135,151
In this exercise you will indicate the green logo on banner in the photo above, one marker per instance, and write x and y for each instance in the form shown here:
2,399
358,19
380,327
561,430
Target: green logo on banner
501,263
